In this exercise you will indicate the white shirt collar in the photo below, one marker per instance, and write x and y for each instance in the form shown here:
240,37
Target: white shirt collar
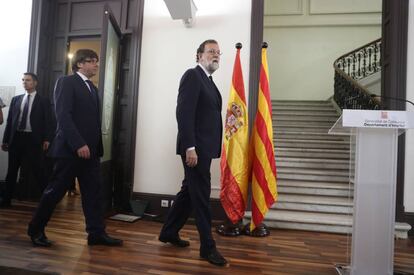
32,94
82,76
207,73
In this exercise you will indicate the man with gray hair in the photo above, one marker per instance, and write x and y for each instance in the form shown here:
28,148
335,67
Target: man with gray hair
198,142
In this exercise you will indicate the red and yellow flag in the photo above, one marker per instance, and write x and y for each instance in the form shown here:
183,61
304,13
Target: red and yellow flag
234,157
264,192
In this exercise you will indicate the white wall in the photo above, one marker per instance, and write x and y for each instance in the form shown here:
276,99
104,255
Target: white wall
169,49
15,19
305,37
372,83
409,142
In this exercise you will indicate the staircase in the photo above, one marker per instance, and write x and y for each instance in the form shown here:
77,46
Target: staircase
312,170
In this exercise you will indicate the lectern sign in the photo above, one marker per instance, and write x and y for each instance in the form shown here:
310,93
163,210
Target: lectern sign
378,119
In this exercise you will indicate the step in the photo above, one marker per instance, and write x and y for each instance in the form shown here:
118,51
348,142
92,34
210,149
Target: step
281,175
311,144
286,134
302,102
317,153
331,113
339,142
312,184
321,222
321,108
315,199
312,163
320,208
307,118
320,188
303,171
298,105
298,123
304,128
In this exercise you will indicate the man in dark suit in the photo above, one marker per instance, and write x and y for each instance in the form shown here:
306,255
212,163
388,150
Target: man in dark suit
27,134
76,148
199,140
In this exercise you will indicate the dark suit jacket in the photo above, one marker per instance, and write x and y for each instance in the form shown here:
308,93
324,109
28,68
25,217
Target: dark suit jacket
199,115
78,119
39,120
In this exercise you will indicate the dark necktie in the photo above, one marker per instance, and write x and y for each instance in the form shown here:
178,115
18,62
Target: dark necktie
22,125
91,86
211,78
94,91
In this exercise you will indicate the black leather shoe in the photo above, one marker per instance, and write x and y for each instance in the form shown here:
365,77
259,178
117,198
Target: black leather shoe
40,239
174,241
214,257
103,239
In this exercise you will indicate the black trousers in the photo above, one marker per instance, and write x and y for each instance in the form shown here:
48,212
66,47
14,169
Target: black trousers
24,148
89,177
194,195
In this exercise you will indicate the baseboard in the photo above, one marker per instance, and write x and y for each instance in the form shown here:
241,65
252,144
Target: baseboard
154,205
409,218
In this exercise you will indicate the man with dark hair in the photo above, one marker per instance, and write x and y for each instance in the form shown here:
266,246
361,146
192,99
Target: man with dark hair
27,135
199,140
76,148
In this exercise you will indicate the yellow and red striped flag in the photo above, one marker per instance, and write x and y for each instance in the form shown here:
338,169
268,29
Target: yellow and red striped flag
264,192
234,157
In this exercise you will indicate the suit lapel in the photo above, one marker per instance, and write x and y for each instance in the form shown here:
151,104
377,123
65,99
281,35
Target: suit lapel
86,91
34,106
217,92
209,83
17,109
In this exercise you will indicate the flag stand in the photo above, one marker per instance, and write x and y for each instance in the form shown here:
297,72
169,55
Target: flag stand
260,231
229,229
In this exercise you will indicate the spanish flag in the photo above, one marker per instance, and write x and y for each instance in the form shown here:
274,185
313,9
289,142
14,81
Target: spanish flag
264,192
234,157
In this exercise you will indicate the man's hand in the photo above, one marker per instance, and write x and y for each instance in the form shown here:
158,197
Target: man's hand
5,147
84,152
45,145
191,158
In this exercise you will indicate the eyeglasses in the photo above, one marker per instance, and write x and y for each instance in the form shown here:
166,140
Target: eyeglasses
92,61
214,52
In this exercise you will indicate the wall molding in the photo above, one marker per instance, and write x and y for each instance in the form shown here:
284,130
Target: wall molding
342,7
322,20
276,8
305,13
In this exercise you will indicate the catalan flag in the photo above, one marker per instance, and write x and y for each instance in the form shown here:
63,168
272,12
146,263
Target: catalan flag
264,192
234,156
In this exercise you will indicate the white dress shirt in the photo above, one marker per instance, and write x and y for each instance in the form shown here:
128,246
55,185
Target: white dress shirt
28,127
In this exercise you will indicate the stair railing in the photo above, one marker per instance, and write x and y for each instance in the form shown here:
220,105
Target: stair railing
352,67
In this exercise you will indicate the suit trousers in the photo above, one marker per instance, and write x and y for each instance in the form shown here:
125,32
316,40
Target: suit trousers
64,171
24,148
194,195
